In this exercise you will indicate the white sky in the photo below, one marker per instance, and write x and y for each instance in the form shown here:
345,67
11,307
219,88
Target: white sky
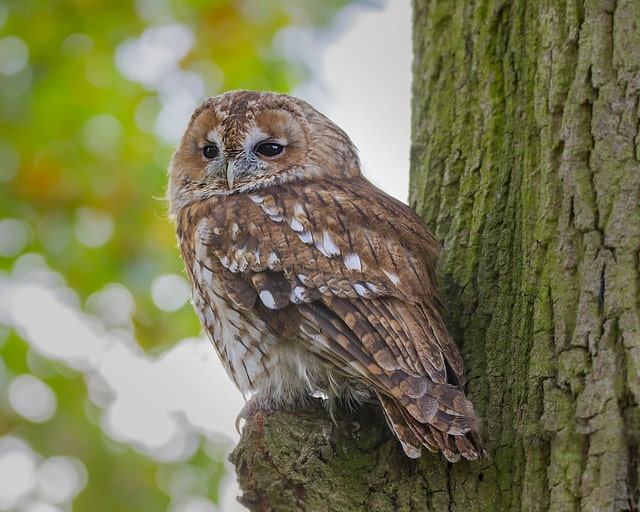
362,83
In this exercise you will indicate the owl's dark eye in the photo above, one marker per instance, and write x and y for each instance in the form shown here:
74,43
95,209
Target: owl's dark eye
270,149
211,151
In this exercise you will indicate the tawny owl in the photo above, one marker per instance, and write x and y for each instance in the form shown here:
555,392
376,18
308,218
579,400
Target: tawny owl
307,278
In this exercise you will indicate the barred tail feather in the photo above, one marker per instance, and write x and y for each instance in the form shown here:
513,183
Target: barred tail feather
453,439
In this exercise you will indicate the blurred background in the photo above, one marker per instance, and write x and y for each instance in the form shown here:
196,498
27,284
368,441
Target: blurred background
110,397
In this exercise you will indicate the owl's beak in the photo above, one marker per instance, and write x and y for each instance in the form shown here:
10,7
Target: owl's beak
230,171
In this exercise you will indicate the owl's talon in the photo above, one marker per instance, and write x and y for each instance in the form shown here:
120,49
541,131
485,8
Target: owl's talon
245,413
239,418
251,407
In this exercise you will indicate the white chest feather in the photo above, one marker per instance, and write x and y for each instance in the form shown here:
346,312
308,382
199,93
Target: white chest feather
262,364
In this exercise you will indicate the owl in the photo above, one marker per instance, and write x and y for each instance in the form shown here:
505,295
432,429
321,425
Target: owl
308,279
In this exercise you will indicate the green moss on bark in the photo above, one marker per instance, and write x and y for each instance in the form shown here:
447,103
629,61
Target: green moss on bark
302,460
535,200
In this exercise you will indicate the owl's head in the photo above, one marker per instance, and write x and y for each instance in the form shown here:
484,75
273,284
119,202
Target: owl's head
243,141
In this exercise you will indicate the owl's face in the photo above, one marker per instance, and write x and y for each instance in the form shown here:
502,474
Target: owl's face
243,141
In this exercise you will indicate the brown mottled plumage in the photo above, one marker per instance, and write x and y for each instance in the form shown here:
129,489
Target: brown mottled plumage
307,278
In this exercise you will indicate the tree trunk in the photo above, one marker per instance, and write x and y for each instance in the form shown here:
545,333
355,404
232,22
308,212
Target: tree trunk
526,164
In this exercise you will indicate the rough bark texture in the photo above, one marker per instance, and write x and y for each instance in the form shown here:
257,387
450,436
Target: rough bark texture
302,460
526,160
526,164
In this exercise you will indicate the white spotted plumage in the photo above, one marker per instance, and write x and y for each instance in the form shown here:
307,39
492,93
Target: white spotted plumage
352,261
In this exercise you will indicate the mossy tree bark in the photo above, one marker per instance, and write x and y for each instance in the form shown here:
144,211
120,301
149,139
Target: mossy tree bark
526,164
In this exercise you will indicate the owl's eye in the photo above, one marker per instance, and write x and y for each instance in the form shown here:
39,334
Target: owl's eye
270,149
210,151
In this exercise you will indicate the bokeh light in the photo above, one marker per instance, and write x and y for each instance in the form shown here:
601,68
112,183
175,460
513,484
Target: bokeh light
31,398
60,479
14,235
14,54
155,54
93,228
18,465
102,136
31,482
113,304
153,60
169,292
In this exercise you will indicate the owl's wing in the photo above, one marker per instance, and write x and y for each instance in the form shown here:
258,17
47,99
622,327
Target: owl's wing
300,243
359,266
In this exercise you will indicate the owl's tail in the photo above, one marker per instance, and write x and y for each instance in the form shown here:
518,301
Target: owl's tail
455,434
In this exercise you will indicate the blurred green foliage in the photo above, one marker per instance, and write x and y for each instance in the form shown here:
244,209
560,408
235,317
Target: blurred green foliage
83,170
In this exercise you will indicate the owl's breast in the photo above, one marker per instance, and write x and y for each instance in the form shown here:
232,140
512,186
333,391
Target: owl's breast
240,337
260,359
